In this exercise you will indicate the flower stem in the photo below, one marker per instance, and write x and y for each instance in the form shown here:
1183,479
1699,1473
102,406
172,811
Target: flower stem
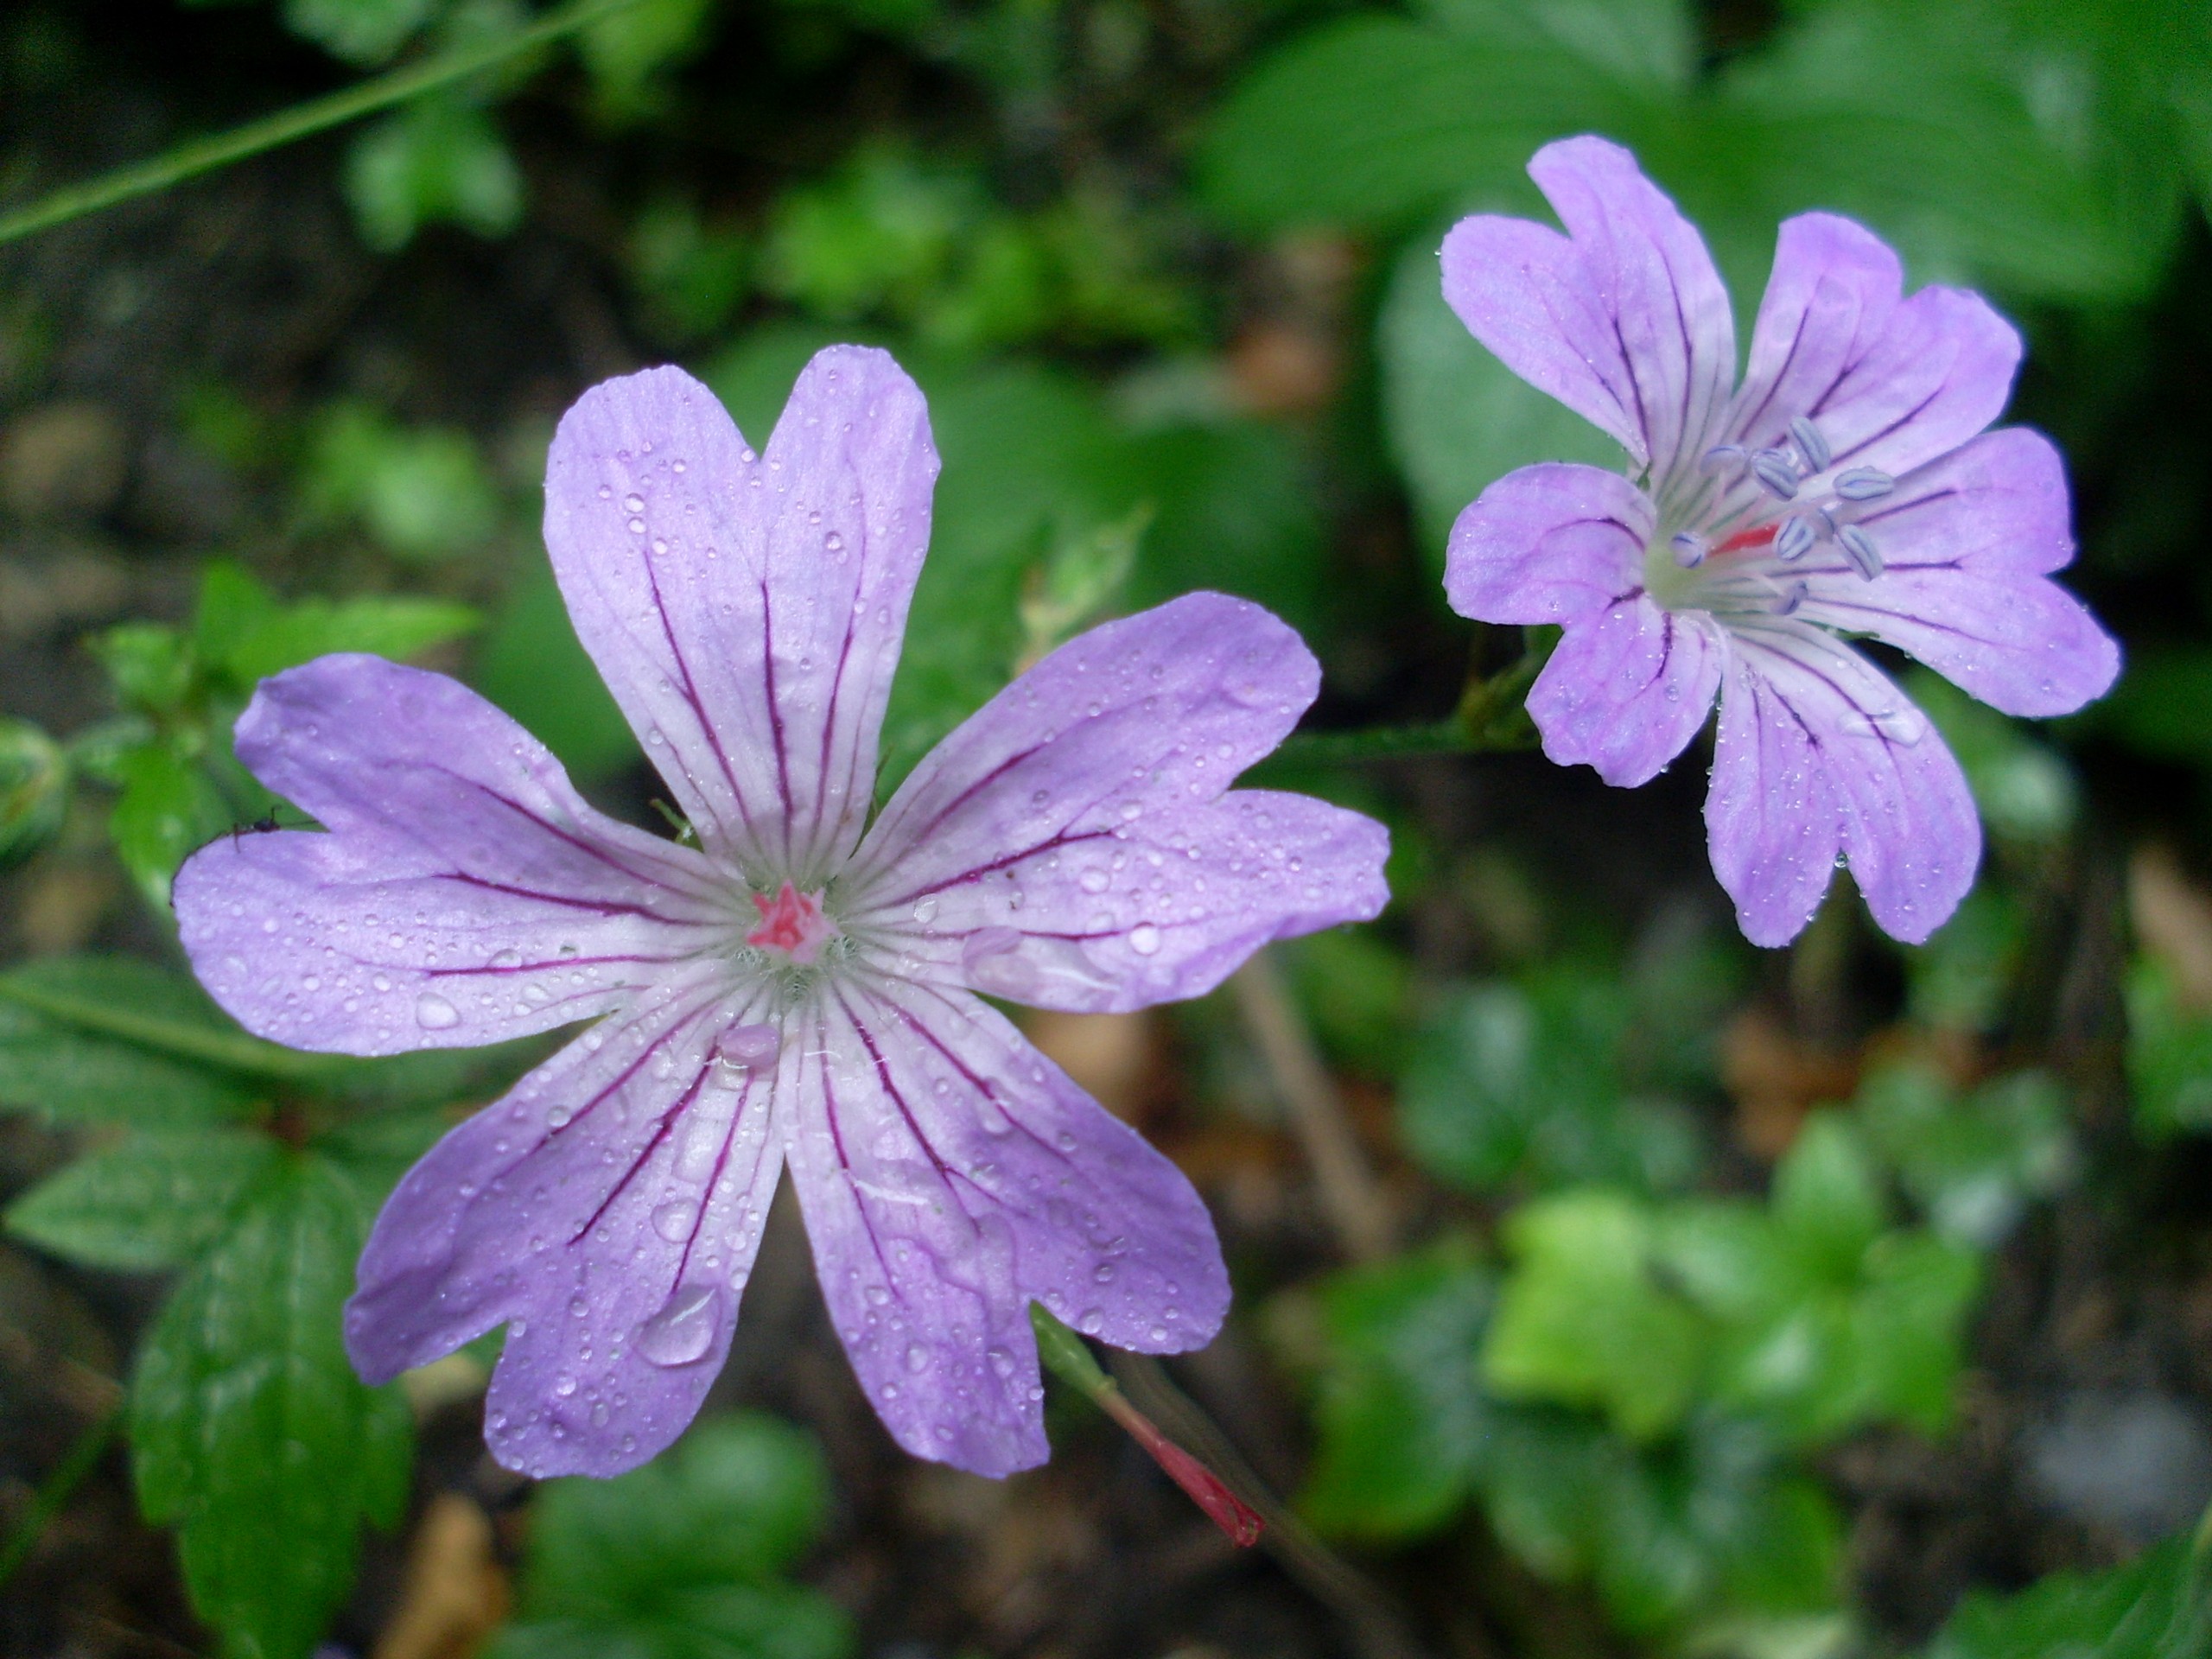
199,155
77,1462
1070,1360
1489,719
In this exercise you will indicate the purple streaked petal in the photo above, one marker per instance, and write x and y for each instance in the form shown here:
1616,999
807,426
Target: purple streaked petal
1819,753
1966,543
951,1175
1551,543
1830,299
1083,809
606,1211
747,610
1626,691
464,895
1624,319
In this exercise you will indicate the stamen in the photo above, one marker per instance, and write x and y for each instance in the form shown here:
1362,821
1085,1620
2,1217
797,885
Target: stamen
1863,484
1858,548
1721,456
1826,526
1795,539
1776,472
1788,604
1811,445
1689,550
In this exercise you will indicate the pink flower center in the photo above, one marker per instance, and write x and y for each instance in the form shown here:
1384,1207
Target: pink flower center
793,923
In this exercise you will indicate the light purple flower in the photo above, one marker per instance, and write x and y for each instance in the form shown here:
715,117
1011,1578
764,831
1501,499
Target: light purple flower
1846,486
799,989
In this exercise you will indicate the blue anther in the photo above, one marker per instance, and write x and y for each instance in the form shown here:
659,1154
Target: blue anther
1720,456
1775,471
1863,484
1689,550
1788,604
1810,444
1859,547
1795,539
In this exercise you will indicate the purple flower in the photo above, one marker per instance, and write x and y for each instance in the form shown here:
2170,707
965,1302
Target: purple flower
800,989
1846,486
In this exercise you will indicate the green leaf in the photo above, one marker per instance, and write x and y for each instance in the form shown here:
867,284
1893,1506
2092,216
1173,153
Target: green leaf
1906,1339
627,52
1971,1164
437,160
1520,1083
1375,121
422,493
677,1560
35,779
155,1200
1357,993
147,665
1828,1201
168,810
252,1436
531,663
151,1009
1401,1416
361,31
1960,979
2155,1607
2169,1056
1582,1319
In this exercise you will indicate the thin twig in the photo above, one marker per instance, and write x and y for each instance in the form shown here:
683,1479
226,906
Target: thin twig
1378,1629
199,155
1351,1196
55,1492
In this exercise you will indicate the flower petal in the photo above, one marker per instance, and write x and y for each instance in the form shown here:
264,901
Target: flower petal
1966,544
1830,299
1626,691
1818,753
746,610
949,1175
608,1211
1547,543
464,895
1070,845
1624,319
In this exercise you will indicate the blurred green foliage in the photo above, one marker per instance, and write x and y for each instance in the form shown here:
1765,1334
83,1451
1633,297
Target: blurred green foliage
683,1558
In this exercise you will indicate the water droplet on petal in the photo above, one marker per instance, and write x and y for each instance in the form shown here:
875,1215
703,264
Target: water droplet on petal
433,1013
672,1220
684,1329
1144,938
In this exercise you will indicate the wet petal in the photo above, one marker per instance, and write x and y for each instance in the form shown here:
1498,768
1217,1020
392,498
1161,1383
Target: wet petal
1966,544
949,1175
1623,320
1830,299
746,610
606,1211
464,895
1547,543
1072,845
1819,753
1626,691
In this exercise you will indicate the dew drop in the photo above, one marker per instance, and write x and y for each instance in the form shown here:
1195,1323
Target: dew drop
672,1220
433,1013
1144,938
684,1329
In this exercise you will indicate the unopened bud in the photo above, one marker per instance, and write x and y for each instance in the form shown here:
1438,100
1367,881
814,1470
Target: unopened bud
34,790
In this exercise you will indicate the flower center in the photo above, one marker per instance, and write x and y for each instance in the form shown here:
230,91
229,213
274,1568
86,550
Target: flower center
793,923
1729,541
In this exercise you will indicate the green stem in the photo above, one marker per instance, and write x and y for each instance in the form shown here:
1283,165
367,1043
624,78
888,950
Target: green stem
1067,1357
79,1461
199,155
232,1052
1489,719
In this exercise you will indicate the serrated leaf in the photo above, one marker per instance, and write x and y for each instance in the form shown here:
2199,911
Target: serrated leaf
154,1200
1520,1083
151,1009
67,1074
2155,1607
252,1436
1401,1415
1582,1320
677,1560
